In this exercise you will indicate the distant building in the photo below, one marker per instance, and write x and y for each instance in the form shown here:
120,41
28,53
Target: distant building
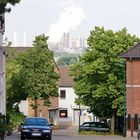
69,45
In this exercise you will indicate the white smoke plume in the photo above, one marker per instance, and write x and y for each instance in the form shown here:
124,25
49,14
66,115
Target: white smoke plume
71,17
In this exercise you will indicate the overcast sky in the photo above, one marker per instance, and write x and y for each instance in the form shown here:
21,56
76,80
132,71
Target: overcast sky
78,17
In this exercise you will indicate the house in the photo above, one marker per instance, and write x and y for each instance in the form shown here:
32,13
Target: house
64,114
132,57
68,112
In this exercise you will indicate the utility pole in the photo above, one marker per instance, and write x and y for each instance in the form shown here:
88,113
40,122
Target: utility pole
2,68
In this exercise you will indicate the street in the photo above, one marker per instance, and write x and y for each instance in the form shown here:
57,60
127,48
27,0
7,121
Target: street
70,135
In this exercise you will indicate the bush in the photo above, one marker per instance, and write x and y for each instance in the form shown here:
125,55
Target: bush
16,119
94,133
2,126
13,120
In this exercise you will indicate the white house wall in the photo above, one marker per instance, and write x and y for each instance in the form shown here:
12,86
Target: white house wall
23,107
69,102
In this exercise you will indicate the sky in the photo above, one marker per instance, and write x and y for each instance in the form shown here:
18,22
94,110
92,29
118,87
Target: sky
31,18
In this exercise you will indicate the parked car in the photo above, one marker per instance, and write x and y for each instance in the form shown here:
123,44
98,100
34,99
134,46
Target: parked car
34,127
95,126
138,134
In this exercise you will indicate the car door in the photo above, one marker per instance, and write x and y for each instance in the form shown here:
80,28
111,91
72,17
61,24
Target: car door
93,126
99,127
85,126
102,127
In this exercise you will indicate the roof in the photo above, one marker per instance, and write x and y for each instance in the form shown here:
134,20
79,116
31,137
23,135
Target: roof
133,52
16,50
65,79
19,48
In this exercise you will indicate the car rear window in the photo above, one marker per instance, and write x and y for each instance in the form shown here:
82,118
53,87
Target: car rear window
102,125
93,124
86,124
36,121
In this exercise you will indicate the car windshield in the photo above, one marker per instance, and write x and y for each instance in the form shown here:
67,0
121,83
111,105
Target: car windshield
37,121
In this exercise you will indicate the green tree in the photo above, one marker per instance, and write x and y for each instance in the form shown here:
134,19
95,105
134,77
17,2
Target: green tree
37,77
12,71
12,68
66,61
3,4
100,71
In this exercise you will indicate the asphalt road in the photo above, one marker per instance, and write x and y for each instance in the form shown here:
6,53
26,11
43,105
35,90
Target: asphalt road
72,135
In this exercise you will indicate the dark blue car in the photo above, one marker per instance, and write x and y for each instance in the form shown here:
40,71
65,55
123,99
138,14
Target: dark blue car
36,128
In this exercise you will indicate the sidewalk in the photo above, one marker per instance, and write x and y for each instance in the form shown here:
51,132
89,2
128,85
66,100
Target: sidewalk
73,131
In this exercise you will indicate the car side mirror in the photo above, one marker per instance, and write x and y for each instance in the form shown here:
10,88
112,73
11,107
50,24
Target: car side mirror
21,123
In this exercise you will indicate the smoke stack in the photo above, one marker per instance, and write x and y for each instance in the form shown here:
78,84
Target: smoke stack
24,39
15,39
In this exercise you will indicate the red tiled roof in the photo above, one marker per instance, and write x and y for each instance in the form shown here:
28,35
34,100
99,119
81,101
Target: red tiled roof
65,79
133,52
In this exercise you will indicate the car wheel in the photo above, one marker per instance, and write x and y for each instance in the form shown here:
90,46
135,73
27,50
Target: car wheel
50,137
22,138
43,139
138,137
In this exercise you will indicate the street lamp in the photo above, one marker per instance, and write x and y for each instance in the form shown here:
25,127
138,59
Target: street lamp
79,117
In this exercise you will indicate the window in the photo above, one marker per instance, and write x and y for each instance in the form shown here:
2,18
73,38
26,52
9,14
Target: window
136,122
63,113
93,124
129,121
62,94
36,121
86,124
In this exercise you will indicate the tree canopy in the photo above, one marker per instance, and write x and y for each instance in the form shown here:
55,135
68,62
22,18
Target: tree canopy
3,4
12,69
34,74
98,75
66,61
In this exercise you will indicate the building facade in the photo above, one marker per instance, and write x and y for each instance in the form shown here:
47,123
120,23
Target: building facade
132,57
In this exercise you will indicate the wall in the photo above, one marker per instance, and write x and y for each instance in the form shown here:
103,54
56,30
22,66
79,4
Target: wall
69,101
133,87
23,107
133,96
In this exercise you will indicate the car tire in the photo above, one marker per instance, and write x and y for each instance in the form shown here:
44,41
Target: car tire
22,138
138,137
50,137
